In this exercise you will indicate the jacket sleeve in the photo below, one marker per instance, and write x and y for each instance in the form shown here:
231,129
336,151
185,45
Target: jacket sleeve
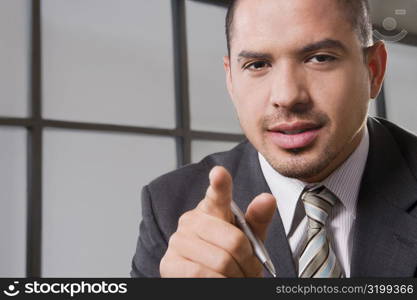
151,245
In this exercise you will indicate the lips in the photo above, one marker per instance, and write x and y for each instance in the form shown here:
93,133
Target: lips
294,135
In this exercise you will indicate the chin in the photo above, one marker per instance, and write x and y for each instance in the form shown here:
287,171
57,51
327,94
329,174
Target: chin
300,163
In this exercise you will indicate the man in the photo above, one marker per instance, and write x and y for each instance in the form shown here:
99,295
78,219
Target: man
332,192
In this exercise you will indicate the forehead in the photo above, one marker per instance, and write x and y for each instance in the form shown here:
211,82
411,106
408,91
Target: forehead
289,23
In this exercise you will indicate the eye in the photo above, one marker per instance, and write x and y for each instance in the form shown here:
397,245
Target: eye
322,58
256,66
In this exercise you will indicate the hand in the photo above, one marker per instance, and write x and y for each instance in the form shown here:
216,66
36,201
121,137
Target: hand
207,244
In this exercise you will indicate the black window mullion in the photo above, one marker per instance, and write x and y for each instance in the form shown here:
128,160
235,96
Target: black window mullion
182,102
223,3
217,136
19,122
34,161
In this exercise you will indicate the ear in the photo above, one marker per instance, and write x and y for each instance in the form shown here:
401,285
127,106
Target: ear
377,64
228,72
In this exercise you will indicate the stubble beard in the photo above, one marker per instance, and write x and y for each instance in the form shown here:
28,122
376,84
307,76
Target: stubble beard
300,164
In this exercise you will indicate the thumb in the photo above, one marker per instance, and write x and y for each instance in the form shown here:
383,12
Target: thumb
218,195
259,214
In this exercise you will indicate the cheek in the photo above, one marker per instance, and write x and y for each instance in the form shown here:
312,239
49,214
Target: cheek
250,100
343,97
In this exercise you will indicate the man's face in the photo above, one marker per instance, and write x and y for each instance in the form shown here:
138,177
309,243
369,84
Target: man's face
297,77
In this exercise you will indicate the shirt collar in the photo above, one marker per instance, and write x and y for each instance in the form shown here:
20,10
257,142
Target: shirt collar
344,182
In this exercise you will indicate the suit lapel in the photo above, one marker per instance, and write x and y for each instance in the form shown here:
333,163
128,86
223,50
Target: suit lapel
385,238
249,182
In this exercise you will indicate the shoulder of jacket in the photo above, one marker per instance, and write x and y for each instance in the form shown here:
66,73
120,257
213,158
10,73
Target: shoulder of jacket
406,142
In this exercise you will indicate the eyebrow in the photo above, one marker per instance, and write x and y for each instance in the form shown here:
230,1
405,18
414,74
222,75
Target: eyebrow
323,44
253,55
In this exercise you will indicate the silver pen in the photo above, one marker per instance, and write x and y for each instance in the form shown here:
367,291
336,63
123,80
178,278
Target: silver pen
257,245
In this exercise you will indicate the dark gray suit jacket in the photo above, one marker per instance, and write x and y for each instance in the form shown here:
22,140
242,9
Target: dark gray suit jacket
385,237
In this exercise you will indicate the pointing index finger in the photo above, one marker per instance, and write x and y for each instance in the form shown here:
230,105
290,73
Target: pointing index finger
218,195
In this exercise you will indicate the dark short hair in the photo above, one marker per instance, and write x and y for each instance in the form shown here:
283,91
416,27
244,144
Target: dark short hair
357,13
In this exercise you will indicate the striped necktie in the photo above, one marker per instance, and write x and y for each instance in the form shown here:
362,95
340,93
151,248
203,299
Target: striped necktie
317,258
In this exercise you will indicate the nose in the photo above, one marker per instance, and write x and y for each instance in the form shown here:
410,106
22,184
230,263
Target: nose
289,89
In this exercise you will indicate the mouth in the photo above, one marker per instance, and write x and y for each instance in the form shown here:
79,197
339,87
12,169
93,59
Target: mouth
294,136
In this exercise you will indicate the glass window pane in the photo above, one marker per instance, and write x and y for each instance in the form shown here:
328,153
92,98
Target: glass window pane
401,85
91,209
13,189
201,149
211,108
108,61
14,58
